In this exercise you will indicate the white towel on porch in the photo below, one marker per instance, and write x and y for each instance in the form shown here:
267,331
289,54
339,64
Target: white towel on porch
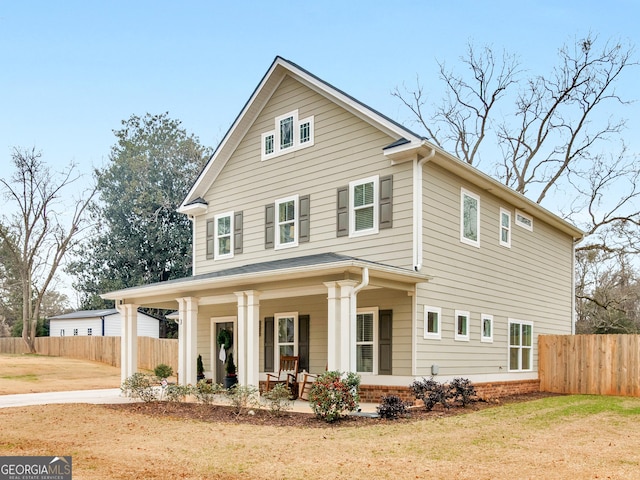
223,354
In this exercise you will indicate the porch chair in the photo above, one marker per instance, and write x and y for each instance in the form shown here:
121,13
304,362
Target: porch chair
306,384
287,375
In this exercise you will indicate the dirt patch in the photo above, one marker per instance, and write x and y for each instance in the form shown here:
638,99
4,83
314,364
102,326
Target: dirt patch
224,414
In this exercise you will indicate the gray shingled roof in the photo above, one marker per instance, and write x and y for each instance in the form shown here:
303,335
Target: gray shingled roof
85,314
280,264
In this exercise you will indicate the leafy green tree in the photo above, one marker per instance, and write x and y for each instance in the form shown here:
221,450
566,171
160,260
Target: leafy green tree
139,237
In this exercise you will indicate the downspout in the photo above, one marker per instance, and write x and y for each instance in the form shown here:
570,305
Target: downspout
102,318
417,209
352,317
193,245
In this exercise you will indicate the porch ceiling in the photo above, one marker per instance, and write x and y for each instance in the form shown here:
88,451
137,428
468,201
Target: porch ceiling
275,279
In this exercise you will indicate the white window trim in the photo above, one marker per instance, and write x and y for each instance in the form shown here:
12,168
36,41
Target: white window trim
432,335
376,205
216,247
484,339
504,211
522,224
297,145
475,243
296,222
458,337
520,322
375,312
276,338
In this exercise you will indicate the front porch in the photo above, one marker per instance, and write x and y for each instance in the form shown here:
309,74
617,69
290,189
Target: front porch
334,312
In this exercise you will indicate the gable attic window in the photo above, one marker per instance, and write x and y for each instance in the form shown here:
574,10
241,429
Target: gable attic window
289,134
524,221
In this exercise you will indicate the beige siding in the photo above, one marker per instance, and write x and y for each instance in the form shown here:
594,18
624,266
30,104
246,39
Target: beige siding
530,281
345,149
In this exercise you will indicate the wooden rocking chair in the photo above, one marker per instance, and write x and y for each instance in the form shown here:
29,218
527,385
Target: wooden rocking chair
287,375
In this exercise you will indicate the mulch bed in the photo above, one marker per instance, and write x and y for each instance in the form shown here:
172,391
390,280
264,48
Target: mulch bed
224,414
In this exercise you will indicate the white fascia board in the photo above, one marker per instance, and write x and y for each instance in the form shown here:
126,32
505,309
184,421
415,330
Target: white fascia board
189,285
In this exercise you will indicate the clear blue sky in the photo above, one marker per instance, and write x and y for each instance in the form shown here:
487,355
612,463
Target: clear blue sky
70,71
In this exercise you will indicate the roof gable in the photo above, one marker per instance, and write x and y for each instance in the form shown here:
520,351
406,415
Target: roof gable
278,71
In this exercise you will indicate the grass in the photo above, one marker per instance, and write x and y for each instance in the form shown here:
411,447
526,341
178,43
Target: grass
552,438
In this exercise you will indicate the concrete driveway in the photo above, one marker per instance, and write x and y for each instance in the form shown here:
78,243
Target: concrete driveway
109,395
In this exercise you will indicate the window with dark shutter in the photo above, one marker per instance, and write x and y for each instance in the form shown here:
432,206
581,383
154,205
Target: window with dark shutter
385,330
211,238
269,225
237,232
304,220
386,202
342,221
268,344
303,342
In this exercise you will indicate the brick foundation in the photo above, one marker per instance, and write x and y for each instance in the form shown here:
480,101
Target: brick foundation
486,391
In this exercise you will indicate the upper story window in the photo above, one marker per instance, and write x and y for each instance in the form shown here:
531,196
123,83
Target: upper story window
287,222
469,218
365,206
505,228
224,235
364,194
524,221
289,134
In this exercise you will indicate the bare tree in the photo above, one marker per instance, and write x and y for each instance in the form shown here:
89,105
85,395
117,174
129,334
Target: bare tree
37,234
556,138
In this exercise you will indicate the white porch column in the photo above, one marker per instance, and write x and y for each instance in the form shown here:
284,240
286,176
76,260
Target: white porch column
128,340
247,338
188,340
340,326
333,312
347,327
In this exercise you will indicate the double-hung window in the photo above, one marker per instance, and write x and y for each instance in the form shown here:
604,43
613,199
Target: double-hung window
363,206
366,340
461,326
223,235
287,334
520,345
432,317
287,222
505,228
469,218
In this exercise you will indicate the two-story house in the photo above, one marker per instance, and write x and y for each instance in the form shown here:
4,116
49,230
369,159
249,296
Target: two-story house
324,229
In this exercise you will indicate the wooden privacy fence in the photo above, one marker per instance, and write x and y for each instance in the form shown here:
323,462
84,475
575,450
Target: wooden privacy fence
589,364
151,351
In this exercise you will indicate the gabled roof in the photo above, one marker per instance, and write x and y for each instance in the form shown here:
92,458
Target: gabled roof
279,69
406,145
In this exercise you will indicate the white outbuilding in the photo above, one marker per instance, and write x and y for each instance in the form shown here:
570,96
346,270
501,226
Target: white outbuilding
101,323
